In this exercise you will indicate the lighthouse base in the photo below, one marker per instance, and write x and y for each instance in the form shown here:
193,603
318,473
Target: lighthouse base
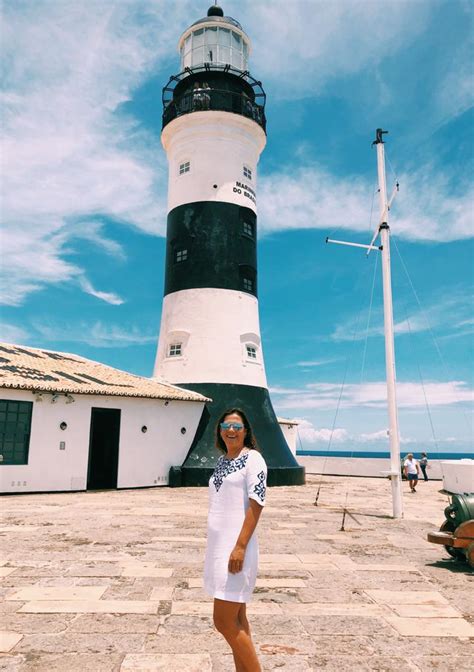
283,469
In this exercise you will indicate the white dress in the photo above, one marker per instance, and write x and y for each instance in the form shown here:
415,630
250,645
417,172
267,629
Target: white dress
231,486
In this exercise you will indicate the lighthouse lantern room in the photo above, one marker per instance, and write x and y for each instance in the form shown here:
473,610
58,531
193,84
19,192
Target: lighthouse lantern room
214,130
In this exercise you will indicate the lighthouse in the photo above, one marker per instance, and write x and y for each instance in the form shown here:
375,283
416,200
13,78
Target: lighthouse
214,130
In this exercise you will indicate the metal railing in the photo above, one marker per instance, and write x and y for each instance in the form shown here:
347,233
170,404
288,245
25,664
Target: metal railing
202,99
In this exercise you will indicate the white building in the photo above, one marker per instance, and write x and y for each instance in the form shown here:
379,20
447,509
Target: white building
68,423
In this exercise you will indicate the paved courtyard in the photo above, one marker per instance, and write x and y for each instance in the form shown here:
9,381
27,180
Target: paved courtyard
111,581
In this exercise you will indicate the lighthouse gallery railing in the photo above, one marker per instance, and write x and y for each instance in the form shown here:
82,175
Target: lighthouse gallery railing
201,99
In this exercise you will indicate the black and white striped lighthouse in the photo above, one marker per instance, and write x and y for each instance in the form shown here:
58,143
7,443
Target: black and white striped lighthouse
214,130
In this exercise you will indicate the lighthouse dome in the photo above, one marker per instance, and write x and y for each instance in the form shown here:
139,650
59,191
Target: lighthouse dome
215,10
215,40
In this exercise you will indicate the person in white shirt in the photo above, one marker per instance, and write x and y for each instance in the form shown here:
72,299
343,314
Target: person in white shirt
412,471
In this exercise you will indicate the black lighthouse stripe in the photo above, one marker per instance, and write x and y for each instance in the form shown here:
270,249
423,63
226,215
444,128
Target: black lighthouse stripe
211,244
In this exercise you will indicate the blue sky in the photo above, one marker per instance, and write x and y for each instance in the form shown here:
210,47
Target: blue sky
84,198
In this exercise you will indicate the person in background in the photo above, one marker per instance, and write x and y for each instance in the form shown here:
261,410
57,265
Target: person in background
206,98
423,465
197,96
412,471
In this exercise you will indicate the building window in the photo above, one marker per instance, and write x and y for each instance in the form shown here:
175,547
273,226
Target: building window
181,255
251,352
247,172
184,167
175,350
247,228
248,284
15,429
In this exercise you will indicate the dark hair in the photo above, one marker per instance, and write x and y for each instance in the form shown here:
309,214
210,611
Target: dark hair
249,441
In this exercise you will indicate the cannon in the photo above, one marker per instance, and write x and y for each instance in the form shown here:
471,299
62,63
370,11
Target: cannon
456,534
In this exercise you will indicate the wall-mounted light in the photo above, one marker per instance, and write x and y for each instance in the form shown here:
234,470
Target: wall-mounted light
183,430
54,398
144,429
63,425
166,403
69,399
39,396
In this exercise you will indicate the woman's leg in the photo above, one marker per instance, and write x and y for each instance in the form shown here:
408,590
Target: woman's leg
227,619
243,619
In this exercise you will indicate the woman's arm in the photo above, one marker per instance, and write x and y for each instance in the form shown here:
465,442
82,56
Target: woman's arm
236,559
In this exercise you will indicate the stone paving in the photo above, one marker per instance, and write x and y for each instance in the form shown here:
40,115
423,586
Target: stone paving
111,581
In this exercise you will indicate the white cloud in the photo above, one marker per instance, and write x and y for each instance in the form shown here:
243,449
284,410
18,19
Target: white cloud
309,434
312,41
342,439
97,334
10,333
454,95
315,362
374,436
435,316
325,396
108,297
312,198
68,155
93,232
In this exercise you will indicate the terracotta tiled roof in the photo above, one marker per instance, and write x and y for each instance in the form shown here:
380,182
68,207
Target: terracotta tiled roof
27,368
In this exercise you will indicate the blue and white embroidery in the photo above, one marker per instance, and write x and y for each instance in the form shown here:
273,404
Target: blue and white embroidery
225,467
260,489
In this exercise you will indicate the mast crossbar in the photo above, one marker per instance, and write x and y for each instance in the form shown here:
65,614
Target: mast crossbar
342,242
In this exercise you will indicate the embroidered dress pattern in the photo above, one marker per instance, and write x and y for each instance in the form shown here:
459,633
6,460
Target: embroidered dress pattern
260,488
225,467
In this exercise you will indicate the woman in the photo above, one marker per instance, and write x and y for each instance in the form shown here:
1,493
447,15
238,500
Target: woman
236,498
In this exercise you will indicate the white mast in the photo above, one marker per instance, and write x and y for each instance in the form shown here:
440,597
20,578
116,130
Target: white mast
383,230
394,433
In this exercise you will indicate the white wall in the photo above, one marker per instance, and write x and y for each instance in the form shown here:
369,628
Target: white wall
290,432
144,459
356,466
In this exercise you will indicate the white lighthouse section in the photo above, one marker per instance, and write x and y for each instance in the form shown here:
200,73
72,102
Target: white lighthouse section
219,337
213,156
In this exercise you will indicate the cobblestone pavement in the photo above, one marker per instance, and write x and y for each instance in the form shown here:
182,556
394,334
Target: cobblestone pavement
111,581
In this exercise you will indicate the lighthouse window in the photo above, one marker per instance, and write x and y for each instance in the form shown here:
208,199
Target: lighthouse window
184,167
211,45
181,255
198,38
247,228
224,37
175,350
247,284
224,54
236,50
251,352
247,172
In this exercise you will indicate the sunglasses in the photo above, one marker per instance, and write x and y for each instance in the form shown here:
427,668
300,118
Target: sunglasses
228,425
